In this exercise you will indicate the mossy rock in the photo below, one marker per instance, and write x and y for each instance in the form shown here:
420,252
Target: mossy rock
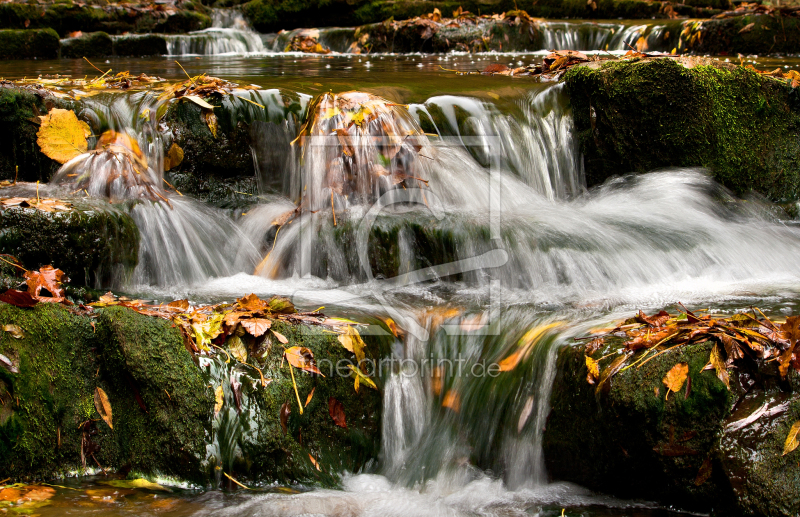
94,243
140,45
641,115
630,439
163,403
93,44
20,155
751,34
29,44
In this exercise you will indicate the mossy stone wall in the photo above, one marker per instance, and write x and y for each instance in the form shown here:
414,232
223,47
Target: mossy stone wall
640,115
93,44
29,44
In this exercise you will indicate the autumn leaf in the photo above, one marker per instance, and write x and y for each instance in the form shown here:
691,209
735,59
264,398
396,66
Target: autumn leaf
256,326
252,303
280,337
593,370
302,358
792,439
281,305
49,279
200,102
284,416
452,400
314,462
237,349
704,473
14,330
219,400
360,377
211,122
103,406
336,410
526,344
310,396
717,363
62,136
174,157
206,331
18,298
136,483
612,369
675,378
352,341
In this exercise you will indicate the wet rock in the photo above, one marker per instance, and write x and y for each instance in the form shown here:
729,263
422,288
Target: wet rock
93,242
29,44
700,448
162,403
643,114
748,34
20,155
138,45
92,44
66,17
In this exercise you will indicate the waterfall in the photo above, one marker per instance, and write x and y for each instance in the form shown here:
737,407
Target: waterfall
229,34
607,36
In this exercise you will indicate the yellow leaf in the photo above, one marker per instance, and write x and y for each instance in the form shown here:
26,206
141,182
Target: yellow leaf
62,136
719,366
792,440
102,405
594,370
452,400
237,349
211,121
352,341
136,483
526,344
219,399
675,378
314,462
200,102
206,331
360,377
174,157
14,330
310,396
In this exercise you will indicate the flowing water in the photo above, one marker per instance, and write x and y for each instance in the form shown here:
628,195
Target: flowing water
519,243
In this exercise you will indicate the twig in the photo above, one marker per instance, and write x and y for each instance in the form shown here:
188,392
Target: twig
173,188
294,383
661,352
231,478
333,209
15,265
185,72
98,464
84,57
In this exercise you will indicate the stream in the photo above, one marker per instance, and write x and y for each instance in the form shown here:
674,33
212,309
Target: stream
530,247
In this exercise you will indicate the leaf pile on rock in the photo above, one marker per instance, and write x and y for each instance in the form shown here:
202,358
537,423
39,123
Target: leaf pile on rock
43,204
745,336
307,40
751,8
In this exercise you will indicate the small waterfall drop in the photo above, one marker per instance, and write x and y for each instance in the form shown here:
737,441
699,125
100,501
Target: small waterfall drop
229,34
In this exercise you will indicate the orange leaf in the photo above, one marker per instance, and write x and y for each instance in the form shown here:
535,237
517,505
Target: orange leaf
281,337
314,462
336,410
46,278
301,357
452,400
310,396
256,326
252,303
103,406
676,377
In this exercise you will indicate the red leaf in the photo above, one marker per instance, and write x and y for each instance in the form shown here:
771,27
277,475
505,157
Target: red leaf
336,410
18,298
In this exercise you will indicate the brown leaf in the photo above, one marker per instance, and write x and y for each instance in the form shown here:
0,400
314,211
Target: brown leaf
252,303
785,360
18,298
282,338
336,410
791,329
211,121
593,345
178,304
314,462
256,326
792,439
704,473
102,405
10,494
654,321
747,28
612,370
47,278
62,136
495,68
301,357
38,493
284,416
675,378
14,330
716,361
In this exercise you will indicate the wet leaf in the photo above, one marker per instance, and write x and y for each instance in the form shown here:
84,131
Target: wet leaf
452,400
593,370
675,378
352,341
211,122
256,326
302,358
525,346
716,361
178,304
136,483
360,377
10,494
62,136
791,329
174,157
656,320
704,473
200,102
38,493
252,303
219,399
281,337
336,410
102,405
18,298
206,331
14,330
281,305
792,439
236,389
310,396
284,416
527,409
314,462
6,363
747,28
49,279
785,360
237,349
612,370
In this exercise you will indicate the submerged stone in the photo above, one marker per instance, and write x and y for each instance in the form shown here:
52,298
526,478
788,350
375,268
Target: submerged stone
694,449
29,44
644,114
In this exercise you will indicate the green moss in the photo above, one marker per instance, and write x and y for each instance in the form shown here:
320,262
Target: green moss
93,44
29,44
140,45
640,116
94,243
727,36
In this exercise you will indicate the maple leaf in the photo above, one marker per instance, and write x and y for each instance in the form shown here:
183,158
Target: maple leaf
48,278
62,136
675,378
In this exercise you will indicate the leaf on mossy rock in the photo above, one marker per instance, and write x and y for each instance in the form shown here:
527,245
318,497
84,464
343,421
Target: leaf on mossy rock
352,341
14,330
256,326
18,298
593,370
792,439
49,279
174,157
219,400
336,410
237,349
62,136
302,358
704,473
103,406
675,378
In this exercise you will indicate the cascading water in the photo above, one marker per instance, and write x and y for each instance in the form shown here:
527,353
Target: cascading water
607,36
229,34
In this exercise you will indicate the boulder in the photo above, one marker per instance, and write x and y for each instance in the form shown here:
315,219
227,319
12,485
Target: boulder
138,45
644,114
92,44
703,448
29,44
